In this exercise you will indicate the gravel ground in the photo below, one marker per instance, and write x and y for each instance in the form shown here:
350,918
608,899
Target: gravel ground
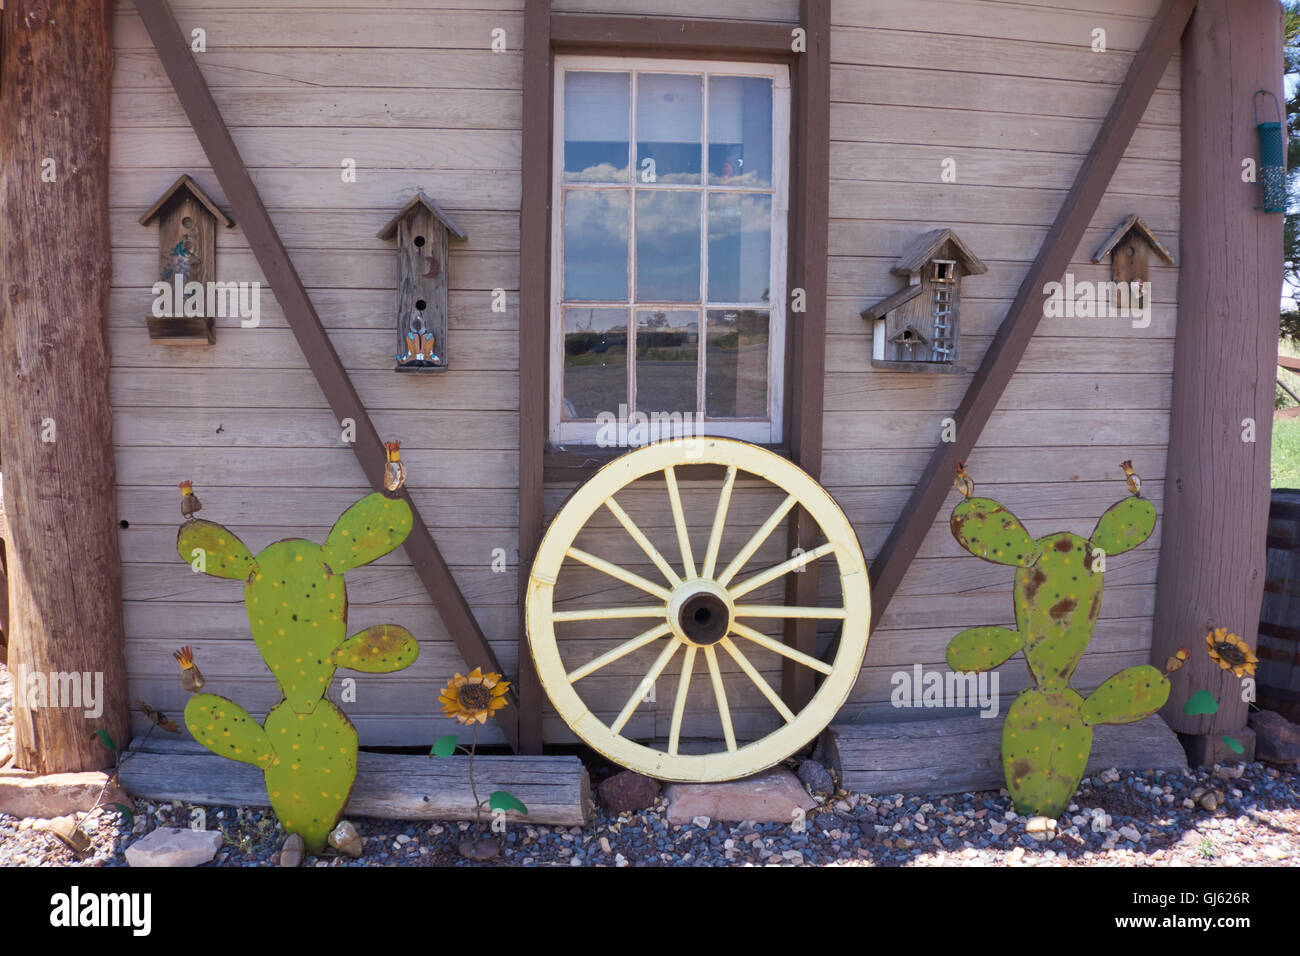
1138,819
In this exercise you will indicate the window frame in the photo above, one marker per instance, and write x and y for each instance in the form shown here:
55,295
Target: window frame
585,433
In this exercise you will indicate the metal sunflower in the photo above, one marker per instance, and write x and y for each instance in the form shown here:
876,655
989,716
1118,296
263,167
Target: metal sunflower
475,698
1230,652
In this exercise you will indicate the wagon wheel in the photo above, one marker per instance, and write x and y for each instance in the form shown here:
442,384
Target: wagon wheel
698,613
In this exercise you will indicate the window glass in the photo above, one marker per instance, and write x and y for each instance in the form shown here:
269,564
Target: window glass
740,247
596,111
595,245
736,364
595,362
667,245
740,131
667,360
669,112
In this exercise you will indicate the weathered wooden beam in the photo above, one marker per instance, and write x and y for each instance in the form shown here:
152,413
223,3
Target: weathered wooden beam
956,754
56,423
670,36
246,203
809,244
1013,336
1213,557
556,790
534,338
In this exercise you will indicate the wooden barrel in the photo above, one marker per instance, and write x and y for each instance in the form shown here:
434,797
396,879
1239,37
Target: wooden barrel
1278,674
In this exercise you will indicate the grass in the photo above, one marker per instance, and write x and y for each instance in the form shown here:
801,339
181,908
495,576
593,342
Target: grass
1286,431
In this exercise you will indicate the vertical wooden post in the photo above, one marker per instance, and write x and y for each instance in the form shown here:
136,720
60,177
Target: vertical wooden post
1216,483
534,339
65,579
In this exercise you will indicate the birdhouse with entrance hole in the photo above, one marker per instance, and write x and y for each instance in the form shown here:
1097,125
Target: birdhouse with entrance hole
421,229
1130,247
187,264
917,328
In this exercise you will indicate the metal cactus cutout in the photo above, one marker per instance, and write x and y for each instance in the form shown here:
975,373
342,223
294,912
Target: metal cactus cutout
297,610
1047,735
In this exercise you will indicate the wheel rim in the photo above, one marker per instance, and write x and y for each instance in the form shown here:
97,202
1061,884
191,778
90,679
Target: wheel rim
699,611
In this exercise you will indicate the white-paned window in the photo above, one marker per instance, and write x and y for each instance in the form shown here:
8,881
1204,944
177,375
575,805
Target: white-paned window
668,245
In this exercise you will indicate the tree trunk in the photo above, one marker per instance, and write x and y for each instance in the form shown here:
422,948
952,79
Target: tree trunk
65,578
1212,559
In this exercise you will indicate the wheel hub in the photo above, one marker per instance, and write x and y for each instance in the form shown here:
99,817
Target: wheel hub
700,613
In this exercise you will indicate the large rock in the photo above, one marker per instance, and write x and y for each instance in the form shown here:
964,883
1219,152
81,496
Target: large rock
774,796
1277,740
816,777
627,791
24,793
171,846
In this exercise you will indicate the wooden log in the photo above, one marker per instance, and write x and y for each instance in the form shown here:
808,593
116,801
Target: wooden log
1213,560
955,754
55,419
556,790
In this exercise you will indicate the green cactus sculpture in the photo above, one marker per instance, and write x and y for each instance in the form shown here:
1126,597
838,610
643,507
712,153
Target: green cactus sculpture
1047,735
298,610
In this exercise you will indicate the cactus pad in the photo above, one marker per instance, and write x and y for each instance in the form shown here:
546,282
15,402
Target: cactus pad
368,530
297,607
224,555
989,531
982,648
1132,694
1057,596
1045,746
227,729
377,650
1125,525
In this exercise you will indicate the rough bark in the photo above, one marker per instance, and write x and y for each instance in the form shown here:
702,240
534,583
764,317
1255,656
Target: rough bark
65,585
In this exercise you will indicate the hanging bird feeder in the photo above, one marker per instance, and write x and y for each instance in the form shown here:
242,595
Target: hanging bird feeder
1272,157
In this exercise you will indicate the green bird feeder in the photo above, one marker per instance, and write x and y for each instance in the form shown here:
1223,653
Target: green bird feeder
1272,157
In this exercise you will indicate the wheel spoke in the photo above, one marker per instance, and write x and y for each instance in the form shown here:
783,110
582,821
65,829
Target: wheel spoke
719,522
639,537
720,693
679,705
772,697
776,647
754,543
642,688
627,647
679,520
622,574
780,610
611,613
785,567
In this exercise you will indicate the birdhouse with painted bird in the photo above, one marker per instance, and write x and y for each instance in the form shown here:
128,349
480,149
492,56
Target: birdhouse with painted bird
421,231
187,264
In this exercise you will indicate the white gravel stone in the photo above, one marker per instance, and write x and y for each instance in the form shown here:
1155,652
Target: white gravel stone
170,846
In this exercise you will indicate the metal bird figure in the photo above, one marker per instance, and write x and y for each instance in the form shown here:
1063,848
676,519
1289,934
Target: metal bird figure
191,677
158,717
190,503
394,470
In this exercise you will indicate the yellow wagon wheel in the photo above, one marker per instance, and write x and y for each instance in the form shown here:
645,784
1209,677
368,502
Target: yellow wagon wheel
699,613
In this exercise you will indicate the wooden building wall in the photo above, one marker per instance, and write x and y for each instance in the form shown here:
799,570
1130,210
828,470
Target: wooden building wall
1010,90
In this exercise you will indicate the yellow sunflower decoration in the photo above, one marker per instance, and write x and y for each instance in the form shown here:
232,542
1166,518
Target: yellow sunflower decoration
474,698
1230,652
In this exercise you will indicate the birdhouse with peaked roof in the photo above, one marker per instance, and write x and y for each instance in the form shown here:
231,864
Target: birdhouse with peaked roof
1130,247
917,328
421,229
187,264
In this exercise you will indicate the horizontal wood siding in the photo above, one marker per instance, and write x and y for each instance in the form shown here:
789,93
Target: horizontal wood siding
1014,94
413,93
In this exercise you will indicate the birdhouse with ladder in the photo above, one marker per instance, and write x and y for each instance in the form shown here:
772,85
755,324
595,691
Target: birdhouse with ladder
421,230
1130,247
187,264
917,328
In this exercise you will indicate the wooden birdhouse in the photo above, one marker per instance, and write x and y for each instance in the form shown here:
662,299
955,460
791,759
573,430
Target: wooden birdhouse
421,230
1130,247
917,328
187,264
